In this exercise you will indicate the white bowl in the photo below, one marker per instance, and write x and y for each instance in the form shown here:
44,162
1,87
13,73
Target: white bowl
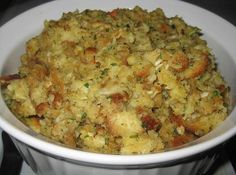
45,156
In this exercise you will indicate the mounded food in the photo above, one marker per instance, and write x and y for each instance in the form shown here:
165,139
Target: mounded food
118,82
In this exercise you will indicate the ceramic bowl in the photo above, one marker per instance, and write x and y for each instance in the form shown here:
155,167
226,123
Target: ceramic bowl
47,157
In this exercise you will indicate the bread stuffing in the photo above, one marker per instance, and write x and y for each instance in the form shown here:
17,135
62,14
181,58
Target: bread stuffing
127,81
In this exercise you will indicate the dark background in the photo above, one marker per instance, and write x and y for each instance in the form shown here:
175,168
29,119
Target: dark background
224,8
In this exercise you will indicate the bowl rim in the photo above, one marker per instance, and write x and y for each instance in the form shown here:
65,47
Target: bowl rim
109,159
